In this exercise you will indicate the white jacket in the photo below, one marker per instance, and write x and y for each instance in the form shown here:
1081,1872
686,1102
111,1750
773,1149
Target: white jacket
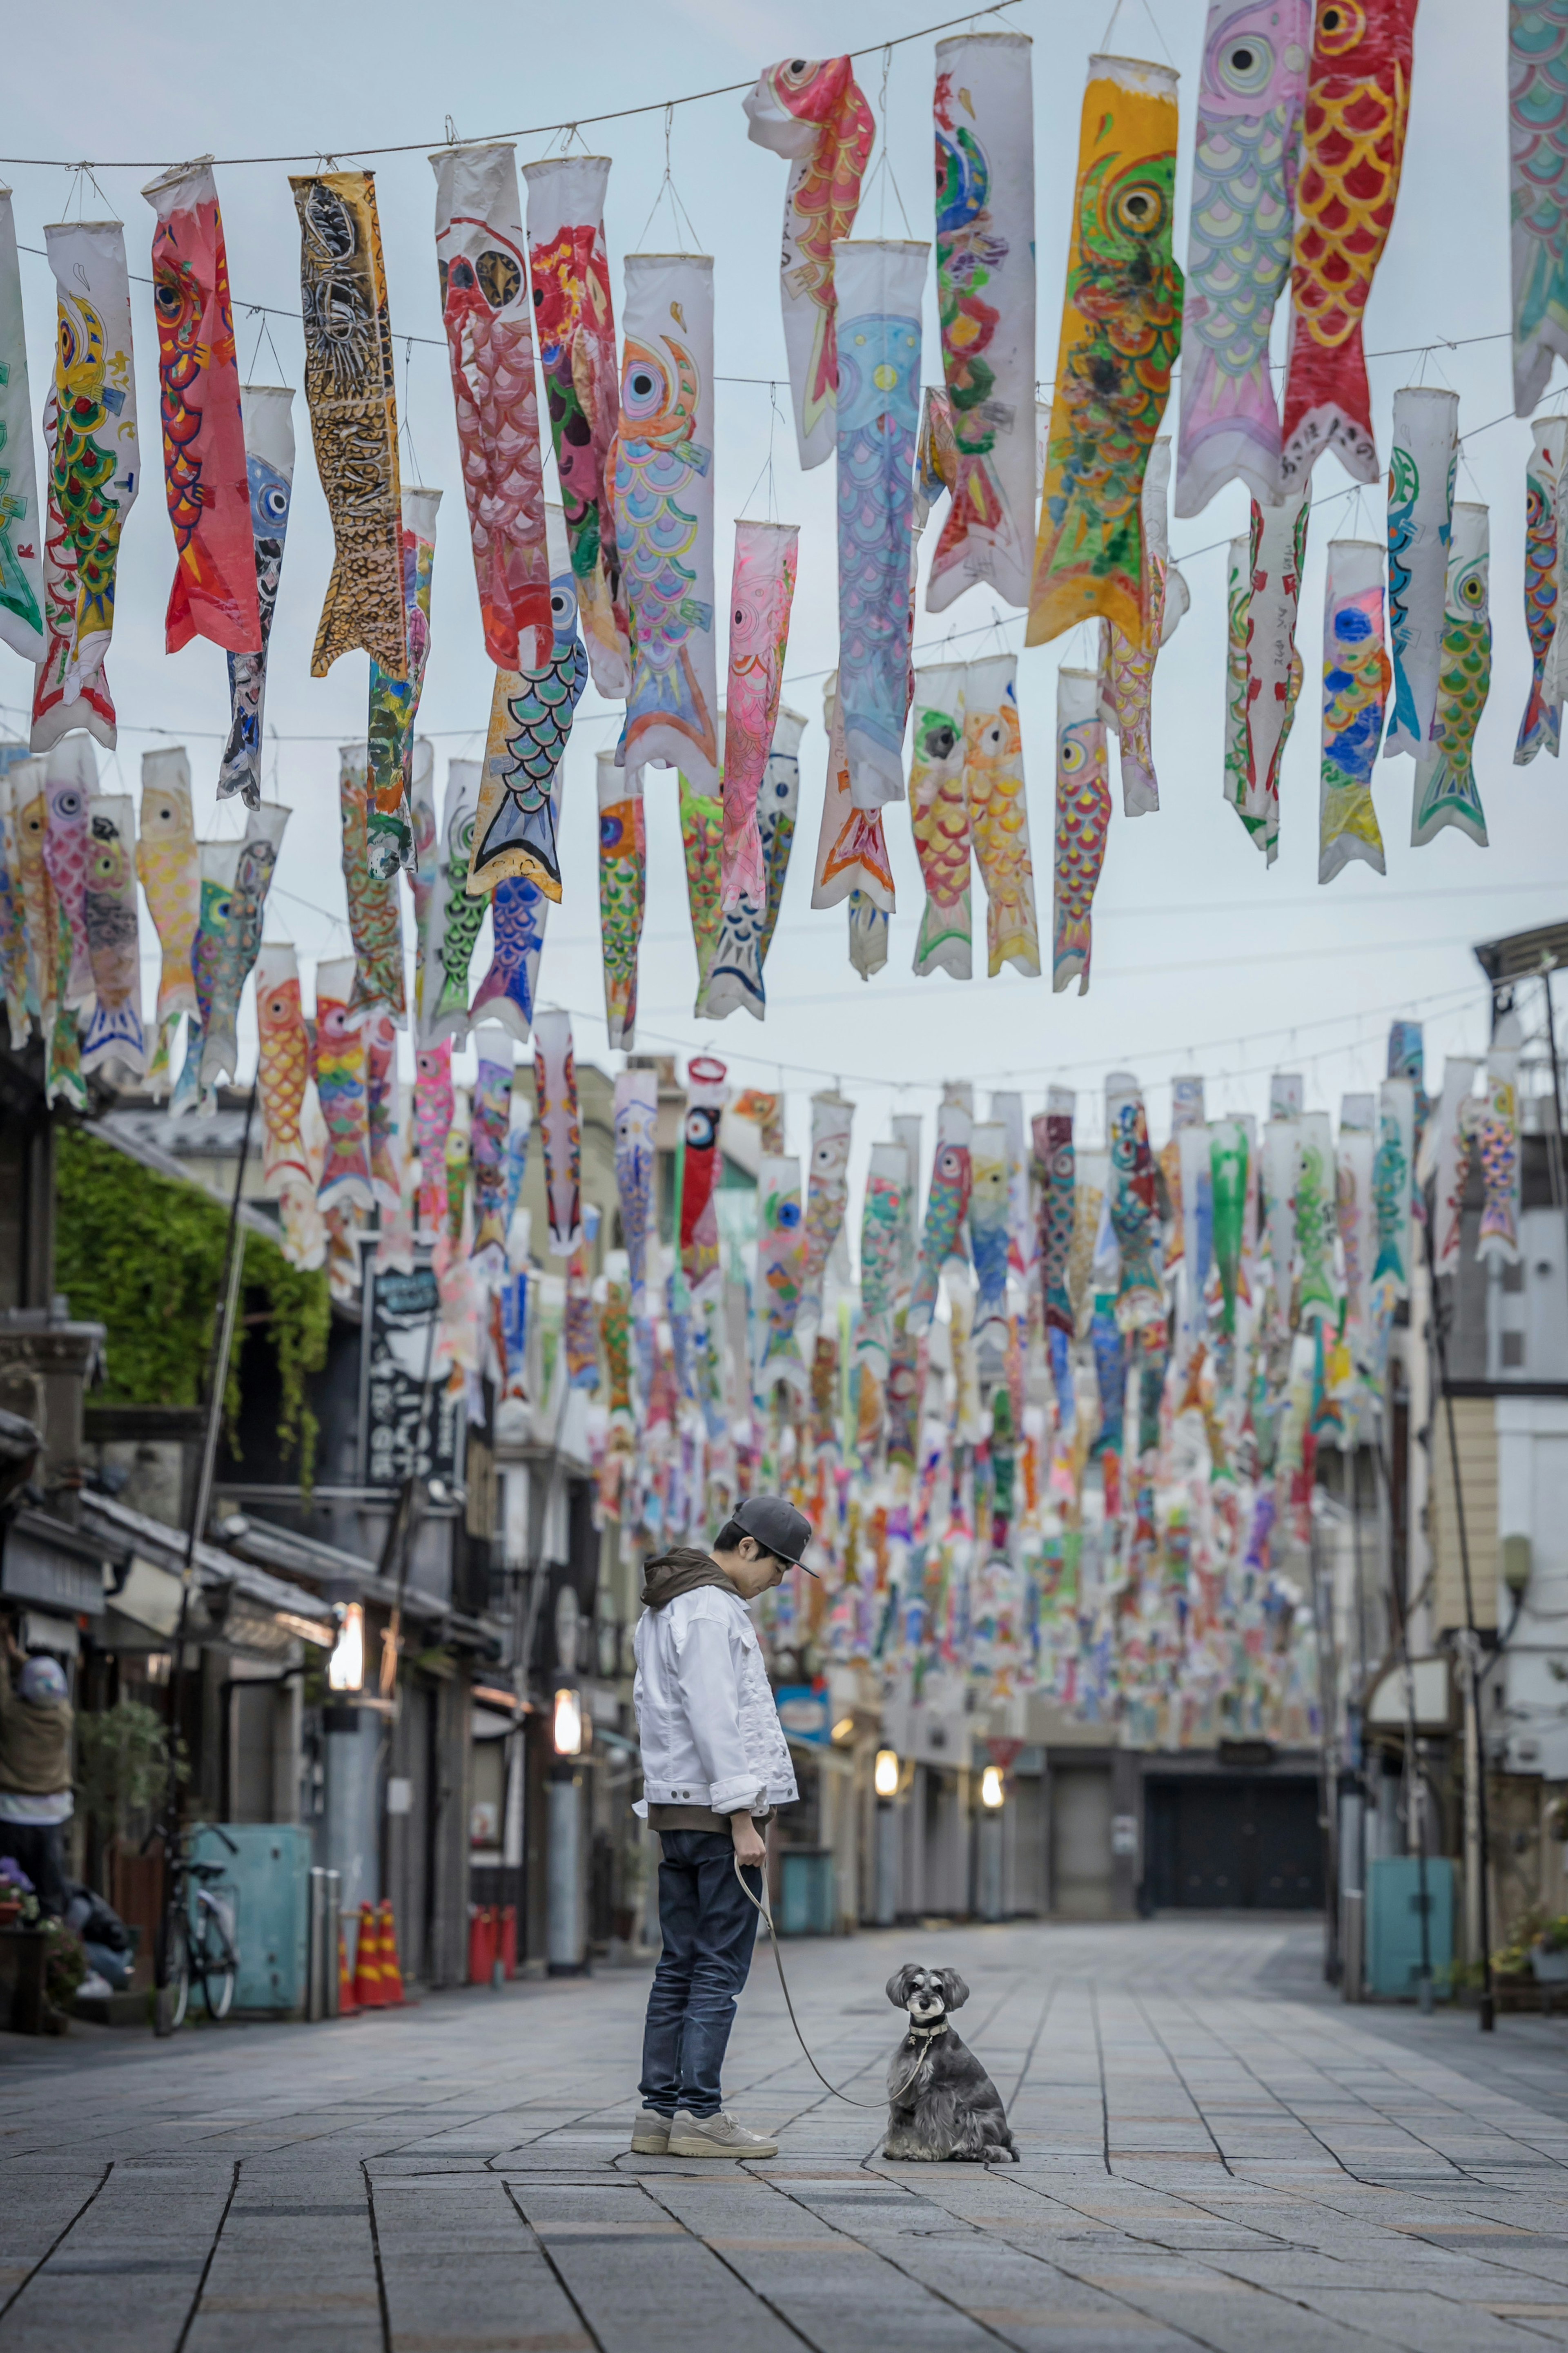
709,1731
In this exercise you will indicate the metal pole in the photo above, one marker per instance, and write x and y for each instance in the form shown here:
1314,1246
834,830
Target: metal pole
1472,1647
217,1381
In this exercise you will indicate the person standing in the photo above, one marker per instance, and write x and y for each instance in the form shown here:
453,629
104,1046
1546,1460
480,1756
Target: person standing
715,1765
36,1798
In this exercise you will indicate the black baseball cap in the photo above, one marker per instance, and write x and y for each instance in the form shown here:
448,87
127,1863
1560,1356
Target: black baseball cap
777,1527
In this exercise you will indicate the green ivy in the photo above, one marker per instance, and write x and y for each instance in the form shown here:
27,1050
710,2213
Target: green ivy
144,1255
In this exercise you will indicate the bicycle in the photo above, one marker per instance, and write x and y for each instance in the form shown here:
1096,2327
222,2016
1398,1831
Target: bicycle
208,1954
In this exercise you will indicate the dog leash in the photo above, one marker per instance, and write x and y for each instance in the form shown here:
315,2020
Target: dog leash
765,1908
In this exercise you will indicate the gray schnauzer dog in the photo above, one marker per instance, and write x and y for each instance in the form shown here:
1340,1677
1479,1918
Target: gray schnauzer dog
941,2102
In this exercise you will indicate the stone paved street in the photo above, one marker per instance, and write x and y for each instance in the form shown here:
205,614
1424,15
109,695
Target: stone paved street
1213,2155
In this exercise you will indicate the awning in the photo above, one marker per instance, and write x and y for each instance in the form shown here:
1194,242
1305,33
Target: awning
240,1603
59,1567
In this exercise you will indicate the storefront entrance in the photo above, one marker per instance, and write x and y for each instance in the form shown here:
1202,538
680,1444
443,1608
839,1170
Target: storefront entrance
1227,1842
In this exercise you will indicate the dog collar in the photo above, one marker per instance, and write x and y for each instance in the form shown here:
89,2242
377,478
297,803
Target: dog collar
940,2028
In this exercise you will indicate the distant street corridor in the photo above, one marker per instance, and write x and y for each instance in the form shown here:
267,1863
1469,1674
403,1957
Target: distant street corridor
1215,2153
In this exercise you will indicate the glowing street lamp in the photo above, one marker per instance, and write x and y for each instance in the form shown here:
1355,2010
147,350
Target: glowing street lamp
346,1668
885,1776
993,1795
567,1725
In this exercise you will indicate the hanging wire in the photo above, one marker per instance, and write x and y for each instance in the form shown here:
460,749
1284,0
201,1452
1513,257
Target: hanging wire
264,331
403,420
882,170
678,211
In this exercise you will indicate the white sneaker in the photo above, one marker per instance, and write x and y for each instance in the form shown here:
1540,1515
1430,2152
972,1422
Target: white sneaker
650,2133
718,2136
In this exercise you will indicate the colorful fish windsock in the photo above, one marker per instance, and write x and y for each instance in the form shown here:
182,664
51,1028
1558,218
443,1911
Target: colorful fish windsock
266,411
664,515
1246,160
1539,729
826,1195
375,922
636,1123
1238,771
452,929
95,472
988,1207
16,981
706,1091
761,594
219,864
1453,1161
1120,334
342,1077
233,950
114,1033
557,1119
492,1117
574,318
1358,103
1425,455
1127,671
851,849
882,1213
999,812
395,701
488,316
1444,789
71,780
623,874
1134,1206
1273,668
353,402
947,1210
733,973
985,297
41,908
938,817
282,1070
167,863
21,519
1354,1174
1083,822
703,849
780,1263
812,112
1355,694
1538,151
214,594
531,726
1393,1172
434,1111
878,283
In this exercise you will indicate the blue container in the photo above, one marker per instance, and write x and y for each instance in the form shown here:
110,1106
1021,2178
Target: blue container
1394,1924
806,1905
265,1891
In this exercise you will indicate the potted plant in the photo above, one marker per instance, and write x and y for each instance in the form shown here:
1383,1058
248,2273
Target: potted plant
1548,1954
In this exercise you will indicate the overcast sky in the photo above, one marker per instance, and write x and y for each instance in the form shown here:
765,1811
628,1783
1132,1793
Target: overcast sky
1202,960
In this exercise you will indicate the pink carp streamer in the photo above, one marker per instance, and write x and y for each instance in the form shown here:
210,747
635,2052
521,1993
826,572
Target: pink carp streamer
761,595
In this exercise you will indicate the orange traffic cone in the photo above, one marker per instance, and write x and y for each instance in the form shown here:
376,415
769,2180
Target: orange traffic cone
347,2005
368,1994
390,1974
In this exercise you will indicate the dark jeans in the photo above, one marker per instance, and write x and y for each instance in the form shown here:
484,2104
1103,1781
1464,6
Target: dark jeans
709,1928
39,1847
